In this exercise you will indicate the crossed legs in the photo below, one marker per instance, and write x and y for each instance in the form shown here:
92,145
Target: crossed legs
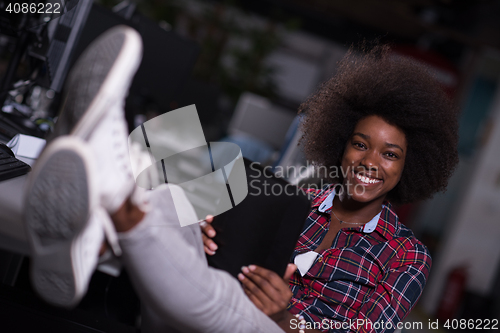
168,268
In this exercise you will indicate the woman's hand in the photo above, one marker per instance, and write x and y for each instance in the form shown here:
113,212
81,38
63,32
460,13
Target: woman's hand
268,291
207,233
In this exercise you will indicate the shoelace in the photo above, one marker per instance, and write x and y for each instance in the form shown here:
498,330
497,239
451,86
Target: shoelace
140,160
109,231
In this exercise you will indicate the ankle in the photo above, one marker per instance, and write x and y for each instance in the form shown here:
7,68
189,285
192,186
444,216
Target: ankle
127,216
103,249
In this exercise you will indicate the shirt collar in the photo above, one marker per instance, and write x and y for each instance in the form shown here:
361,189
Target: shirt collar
325,206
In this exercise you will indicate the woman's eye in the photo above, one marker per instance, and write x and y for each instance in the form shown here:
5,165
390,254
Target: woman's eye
391,155
359,144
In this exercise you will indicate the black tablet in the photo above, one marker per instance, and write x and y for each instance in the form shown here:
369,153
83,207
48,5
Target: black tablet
263,229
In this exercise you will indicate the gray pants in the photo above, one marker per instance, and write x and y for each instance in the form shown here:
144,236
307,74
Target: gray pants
179,291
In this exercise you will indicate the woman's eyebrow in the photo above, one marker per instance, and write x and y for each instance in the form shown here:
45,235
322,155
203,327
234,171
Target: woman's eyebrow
364,136
367,137
393,145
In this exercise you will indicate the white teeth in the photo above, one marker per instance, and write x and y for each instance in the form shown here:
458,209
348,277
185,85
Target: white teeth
367,180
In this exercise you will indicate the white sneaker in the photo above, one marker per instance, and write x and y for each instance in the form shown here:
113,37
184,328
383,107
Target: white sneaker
62,221
92,112
93,109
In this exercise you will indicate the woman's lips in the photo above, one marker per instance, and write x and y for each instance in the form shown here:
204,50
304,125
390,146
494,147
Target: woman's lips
366,181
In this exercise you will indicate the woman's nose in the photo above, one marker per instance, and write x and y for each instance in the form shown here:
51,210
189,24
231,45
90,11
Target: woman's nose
369,162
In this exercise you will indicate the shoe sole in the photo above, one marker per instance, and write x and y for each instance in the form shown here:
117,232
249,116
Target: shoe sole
58,207
109,63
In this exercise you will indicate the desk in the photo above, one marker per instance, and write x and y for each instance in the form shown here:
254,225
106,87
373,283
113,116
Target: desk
20,308
12,233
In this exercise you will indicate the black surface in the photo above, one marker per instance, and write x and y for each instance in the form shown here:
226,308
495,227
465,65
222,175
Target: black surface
263,229
11,124
10,166
166,64
109,306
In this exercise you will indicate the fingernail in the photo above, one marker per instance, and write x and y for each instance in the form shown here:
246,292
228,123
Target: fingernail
244,269
211,233
241,277
213,247
252,267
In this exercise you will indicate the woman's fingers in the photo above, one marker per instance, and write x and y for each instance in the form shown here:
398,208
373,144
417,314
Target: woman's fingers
258,296
207,233
270,289
255,300
209,245
206,226
265,280
290,269
269,278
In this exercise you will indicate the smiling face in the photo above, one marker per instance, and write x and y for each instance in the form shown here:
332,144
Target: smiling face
375,157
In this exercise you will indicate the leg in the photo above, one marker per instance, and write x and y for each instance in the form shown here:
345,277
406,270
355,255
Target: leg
62,221
68,197
165,261
168,268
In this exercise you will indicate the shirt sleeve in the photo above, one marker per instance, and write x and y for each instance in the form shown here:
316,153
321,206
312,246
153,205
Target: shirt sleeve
397,292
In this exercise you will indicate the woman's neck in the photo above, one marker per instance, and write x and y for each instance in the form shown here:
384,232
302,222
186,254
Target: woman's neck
352,211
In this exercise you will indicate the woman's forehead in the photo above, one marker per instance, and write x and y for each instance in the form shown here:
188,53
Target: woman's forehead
375,128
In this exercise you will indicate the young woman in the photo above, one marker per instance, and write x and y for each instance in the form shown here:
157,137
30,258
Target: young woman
383,126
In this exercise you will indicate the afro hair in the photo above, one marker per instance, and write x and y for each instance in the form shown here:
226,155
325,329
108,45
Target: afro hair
405,95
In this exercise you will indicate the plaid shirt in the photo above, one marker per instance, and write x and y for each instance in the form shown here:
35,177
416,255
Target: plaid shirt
373,273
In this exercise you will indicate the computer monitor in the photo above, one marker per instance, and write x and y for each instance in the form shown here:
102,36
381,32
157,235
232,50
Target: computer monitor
58,47
167,57
167,60
257,117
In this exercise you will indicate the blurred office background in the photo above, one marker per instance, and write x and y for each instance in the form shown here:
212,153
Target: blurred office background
248,64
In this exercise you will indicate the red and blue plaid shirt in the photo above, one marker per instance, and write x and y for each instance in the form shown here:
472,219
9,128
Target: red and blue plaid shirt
368,280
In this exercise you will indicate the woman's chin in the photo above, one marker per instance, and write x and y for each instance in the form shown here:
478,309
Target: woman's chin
364,197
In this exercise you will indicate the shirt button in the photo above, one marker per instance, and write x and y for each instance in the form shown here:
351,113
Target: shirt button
320,259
